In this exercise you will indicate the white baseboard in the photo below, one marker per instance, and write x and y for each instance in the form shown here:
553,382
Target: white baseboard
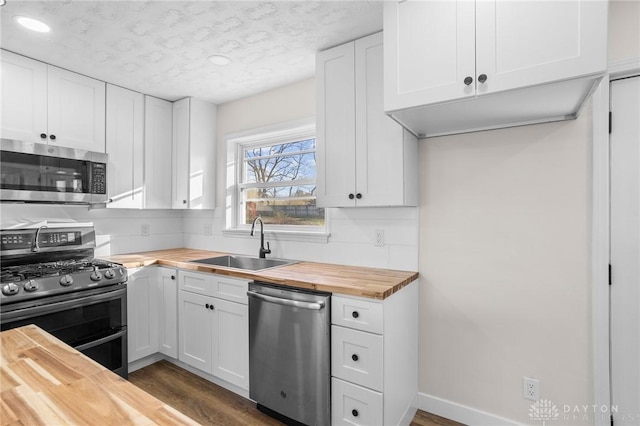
410,413
460,413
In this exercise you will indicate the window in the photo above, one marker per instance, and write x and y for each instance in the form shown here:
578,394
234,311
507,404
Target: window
276,179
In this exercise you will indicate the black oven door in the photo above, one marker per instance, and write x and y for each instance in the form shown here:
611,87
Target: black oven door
94,322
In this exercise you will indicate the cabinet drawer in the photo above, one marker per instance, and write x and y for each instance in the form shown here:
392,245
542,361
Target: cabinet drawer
356,356
356,313
220,286
354,405
231,289
195,282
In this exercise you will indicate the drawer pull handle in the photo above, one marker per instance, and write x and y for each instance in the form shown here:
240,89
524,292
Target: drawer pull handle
354,357
355,314
354,413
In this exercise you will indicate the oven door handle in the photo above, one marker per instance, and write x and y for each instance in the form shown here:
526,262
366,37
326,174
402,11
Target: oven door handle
101,341
58,306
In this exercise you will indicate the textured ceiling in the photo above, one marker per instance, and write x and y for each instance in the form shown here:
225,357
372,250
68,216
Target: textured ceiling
161,47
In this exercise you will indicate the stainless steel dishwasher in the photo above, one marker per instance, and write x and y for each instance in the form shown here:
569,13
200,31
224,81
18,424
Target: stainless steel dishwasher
290,352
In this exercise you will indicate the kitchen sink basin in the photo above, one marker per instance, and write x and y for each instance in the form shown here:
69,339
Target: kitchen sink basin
244,262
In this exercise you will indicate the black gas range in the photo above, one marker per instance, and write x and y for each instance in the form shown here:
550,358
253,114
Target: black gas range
50,277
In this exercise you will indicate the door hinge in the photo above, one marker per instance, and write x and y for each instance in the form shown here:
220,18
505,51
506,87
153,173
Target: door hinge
611,418
609,274
610,119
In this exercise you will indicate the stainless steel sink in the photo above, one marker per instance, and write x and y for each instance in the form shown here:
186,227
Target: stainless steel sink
244,262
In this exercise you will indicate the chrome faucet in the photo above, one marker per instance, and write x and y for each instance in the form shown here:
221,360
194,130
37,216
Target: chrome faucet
263,251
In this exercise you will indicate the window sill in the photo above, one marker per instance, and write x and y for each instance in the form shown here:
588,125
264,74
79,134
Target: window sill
314,237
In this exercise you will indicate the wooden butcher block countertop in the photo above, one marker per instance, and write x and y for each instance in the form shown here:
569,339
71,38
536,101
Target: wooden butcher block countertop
373,283
43,381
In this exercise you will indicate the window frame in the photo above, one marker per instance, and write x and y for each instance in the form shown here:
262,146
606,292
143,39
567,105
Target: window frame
276,134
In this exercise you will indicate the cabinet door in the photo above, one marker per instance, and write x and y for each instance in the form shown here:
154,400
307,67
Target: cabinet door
76,110
142,313
202,148
157,153
23,98
429,51
231,342
528,43
335,127
125,146
180,187
168,318
382,152
195,330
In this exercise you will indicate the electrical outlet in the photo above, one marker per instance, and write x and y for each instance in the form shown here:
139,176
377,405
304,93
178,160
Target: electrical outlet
378,238
144,229
208,229
531,388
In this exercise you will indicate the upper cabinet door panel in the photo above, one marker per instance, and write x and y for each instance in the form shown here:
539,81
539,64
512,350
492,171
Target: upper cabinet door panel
335,127
429,51
76,110
528,43
23,98
157,153
180,186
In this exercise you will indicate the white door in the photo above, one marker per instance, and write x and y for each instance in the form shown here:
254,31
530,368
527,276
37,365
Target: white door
231,343
429,52
168,304
625,250
76,110
125,146
196,330
142,313
525,43
181,146
157,150
335,127
23,98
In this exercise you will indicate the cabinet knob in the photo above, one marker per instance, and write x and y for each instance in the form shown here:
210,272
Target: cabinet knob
355,314
354,413
52,137
358,195
482,78
468,80
184,201
351,196
173,277
206,306
354,357
43,135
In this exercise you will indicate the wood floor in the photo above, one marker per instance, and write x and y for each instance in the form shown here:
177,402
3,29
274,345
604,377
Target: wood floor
210,404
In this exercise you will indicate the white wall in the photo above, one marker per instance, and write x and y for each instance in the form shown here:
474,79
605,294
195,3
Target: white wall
624,29
117,231
352,230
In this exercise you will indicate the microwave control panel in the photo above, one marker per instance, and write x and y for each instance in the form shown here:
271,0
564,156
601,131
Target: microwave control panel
98,178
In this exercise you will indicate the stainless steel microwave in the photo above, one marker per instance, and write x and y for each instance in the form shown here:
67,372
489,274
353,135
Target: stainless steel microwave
39,173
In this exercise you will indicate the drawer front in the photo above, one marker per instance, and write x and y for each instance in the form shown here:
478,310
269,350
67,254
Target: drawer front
231,289
356,313
356,356
195,282
354,405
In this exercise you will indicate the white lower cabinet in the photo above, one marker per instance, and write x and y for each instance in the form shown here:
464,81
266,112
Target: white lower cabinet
374,358
152,312
214,331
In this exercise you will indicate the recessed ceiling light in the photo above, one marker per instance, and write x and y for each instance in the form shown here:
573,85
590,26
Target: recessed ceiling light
219,60
32,24
3,2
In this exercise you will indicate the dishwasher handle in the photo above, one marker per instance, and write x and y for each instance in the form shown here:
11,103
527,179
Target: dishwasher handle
315,306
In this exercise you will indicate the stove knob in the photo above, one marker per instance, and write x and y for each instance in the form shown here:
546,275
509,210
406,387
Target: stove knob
31,285
10,289
95,276
109,274
66,281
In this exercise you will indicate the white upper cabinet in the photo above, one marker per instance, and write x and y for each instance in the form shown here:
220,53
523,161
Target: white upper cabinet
505,62
364,157
46,104
157,153
125,146
194,139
